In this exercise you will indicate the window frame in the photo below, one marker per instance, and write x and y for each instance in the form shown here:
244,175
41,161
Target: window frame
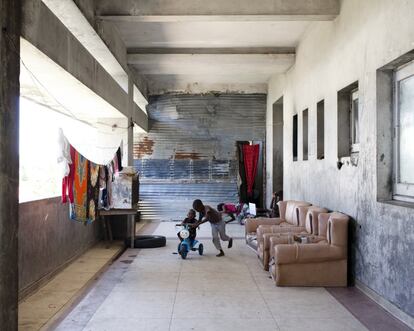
402,192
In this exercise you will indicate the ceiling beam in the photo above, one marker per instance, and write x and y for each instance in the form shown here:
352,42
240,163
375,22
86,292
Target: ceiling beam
218,8
58,42
230,50
134,59
104,44
179,64
214,18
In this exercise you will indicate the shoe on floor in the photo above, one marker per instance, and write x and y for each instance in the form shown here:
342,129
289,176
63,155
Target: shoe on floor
220,254
230,243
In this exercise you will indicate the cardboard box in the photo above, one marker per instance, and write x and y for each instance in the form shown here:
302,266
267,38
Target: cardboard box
125,189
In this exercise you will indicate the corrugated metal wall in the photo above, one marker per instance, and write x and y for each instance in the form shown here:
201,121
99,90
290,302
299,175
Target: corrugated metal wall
190,151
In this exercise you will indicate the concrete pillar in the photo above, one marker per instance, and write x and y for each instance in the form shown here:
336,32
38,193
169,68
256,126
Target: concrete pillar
131,218
9,160
130,123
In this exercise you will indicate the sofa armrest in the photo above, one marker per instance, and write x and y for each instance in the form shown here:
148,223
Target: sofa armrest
308,253
272,239
263,229
252,224
282,208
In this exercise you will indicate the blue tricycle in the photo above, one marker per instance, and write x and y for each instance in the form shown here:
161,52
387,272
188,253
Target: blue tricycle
188,244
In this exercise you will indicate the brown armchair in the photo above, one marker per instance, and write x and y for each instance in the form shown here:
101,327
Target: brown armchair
288,217
320,263
307,225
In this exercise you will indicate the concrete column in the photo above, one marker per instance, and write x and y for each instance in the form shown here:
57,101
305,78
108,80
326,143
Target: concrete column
131,218
130,123
9,160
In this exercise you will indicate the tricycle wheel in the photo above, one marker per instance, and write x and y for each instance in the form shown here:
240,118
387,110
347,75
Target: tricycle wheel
183,252
179,248
200,249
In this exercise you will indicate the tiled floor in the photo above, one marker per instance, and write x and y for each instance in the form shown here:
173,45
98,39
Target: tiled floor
43,306
366,310
156,290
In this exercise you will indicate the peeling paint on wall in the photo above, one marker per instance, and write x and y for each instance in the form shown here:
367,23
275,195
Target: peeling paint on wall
337,54
143,148
186,156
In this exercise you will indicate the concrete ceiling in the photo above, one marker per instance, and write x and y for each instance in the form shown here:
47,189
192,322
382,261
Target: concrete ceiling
210,34
198,46
70,15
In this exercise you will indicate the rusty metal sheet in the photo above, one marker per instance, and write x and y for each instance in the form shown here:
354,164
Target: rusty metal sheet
171,201
190,150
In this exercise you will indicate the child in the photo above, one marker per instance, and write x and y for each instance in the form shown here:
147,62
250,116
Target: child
229,209
274,208
218,227
190,219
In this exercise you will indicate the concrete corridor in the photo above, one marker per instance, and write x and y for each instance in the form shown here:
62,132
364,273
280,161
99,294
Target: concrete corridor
156,290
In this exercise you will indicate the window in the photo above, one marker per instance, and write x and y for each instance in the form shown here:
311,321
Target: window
39,171
295,137
348,120
354,121
305,121
404,133
320,130
40,174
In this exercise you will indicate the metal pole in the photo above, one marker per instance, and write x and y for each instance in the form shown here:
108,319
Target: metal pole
9,160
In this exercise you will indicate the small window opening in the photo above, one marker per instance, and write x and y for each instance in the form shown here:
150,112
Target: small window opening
295,137
305,134
320,129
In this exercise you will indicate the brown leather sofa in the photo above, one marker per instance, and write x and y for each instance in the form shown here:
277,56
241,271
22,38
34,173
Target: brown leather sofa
307,225
323,262
289,217
294,222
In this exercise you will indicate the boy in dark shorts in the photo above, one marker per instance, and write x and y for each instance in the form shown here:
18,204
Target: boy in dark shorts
191,220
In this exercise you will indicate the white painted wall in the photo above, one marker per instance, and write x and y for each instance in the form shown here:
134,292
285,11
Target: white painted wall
367,35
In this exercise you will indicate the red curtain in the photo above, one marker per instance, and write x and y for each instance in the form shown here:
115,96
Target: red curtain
250,157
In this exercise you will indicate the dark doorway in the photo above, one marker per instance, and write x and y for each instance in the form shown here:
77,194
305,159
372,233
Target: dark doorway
258,193
278,145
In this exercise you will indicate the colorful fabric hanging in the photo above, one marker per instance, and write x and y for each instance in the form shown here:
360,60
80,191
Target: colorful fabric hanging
79,207
93,190
250,157
87,185
67,182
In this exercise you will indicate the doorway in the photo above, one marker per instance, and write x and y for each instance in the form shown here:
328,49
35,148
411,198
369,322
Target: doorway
257,196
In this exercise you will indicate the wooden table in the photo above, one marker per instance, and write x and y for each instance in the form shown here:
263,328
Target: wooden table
130,213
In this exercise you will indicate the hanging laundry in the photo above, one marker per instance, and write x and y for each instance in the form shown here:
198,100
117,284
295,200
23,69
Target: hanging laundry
93,190
64,158
79,207
67,182
103,191
119,159
87,185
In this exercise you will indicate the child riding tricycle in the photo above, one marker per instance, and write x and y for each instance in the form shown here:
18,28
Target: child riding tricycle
187,236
